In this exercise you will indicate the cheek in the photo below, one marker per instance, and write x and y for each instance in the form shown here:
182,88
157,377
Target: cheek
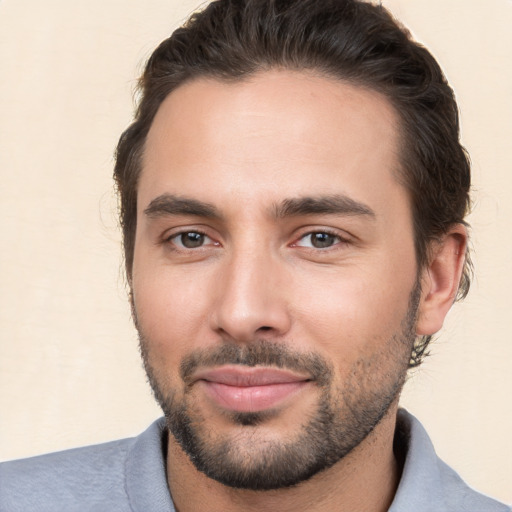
351,312
171,313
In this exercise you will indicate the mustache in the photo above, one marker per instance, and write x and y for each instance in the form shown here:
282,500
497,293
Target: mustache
258,353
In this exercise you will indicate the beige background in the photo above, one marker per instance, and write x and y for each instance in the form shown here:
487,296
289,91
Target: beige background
69,367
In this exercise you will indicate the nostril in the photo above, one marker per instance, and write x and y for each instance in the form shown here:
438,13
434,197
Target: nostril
265,328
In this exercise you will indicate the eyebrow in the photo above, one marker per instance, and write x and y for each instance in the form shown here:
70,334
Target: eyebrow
168,204
336,204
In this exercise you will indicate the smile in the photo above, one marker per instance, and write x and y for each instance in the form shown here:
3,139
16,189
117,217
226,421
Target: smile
243,389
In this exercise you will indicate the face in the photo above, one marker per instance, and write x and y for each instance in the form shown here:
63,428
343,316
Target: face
274,278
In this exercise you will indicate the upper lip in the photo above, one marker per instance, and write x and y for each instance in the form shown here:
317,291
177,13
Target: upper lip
245,376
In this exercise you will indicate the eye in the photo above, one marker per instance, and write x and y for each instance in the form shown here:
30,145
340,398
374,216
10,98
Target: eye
319,240
190,240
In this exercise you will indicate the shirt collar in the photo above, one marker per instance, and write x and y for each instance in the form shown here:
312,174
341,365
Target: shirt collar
145,473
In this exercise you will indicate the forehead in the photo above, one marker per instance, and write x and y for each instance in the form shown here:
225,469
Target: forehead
275,134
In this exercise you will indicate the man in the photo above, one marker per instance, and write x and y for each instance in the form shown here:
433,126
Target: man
293,194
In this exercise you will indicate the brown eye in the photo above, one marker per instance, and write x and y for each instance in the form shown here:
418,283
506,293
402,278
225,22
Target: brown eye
322,240
192,239
319,240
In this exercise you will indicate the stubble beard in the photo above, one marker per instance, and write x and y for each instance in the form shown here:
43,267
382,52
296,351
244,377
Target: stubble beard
343,418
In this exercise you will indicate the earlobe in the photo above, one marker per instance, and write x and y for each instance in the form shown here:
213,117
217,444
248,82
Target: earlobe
440,279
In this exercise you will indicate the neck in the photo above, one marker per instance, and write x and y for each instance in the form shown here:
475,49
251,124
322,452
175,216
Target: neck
364,480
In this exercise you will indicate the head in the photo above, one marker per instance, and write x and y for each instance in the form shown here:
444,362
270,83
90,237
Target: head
349,40
231,55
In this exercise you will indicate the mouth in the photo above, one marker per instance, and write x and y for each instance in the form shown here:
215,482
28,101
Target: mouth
250,389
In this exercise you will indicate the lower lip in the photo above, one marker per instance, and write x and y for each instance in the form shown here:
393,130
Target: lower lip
251,398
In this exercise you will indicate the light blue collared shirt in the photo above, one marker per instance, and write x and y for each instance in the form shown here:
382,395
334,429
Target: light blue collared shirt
129,475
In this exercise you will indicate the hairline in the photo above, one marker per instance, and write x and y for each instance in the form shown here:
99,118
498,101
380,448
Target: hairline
403,141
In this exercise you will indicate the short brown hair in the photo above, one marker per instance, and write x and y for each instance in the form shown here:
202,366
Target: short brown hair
351,40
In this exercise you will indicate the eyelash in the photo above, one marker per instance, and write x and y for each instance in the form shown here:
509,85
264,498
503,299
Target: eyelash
339,240
169,239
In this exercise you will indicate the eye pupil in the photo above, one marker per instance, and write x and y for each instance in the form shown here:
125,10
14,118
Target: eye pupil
192,239
320,240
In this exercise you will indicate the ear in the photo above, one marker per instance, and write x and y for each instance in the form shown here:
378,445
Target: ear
440,279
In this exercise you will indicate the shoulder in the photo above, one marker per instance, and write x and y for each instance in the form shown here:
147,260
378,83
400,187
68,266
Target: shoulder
62,480
427,483
460,496
119,476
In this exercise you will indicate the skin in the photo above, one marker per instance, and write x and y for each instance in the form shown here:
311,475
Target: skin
243,149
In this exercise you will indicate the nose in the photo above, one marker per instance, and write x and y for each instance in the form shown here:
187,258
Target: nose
251,298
